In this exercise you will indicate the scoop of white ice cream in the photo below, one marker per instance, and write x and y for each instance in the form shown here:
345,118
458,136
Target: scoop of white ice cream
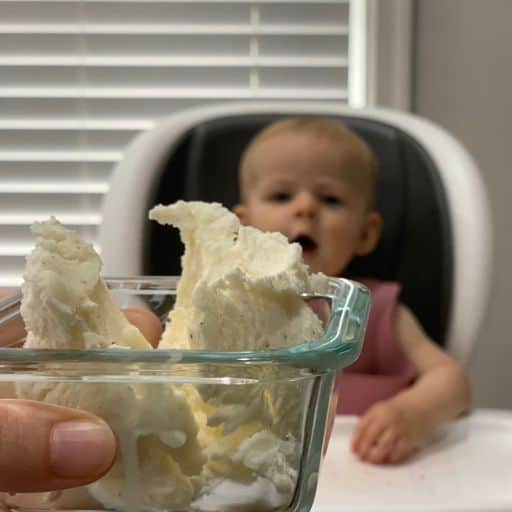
240,288
66,305
178,445
240,291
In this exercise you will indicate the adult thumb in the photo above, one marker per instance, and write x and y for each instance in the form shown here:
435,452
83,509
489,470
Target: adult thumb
45,447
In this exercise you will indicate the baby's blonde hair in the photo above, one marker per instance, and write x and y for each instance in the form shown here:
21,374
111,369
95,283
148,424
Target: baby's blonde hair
354,148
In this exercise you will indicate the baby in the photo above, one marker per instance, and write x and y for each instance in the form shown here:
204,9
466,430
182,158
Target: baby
314,180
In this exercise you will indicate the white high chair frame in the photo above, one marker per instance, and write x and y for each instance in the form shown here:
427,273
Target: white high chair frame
133,179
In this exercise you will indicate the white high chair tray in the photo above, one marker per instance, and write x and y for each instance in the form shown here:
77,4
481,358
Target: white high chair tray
466,466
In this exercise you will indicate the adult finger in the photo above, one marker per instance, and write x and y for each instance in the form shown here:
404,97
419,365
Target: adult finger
46,447
12,332
147,323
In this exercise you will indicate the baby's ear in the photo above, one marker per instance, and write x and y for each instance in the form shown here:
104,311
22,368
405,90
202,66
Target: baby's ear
370,233
241,212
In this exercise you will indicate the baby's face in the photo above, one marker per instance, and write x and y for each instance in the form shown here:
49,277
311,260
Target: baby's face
297,185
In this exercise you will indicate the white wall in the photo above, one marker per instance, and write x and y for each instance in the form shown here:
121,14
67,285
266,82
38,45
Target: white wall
462,72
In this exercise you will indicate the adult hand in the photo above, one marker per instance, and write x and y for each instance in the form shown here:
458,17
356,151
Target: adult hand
147,323
46,447
385,434
12,334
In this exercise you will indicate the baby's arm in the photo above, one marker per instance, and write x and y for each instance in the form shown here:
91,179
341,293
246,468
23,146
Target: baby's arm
389,430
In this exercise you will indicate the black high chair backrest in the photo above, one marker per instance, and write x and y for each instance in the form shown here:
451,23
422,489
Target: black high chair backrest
416,244
437,238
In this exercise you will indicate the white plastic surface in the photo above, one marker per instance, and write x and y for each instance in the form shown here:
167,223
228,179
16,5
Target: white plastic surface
465,467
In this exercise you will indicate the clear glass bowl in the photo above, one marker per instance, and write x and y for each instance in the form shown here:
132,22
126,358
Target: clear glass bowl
260,417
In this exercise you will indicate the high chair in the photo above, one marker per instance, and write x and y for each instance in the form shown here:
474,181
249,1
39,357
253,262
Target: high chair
436,242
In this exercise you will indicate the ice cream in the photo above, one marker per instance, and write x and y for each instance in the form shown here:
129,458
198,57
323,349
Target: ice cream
240,290
181,447
67,305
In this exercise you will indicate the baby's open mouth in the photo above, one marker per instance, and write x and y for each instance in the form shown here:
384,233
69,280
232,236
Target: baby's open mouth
307,243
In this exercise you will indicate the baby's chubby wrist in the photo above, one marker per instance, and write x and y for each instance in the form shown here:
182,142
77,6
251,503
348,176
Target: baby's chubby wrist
412,413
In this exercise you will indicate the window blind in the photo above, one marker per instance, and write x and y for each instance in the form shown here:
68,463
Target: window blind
79,79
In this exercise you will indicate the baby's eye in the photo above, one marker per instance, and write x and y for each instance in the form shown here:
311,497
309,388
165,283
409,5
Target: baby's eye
332,200
280,197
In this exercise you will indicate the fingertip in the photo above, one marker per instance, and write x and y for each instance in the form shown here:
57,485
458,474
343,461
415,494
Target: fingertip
81,449
147,323
359,431
60,448
355,441
401,451
378,454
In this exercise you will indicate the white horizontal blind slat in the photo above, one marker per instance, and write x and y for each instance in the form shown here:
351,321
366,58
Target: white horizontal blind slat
171,93
176,13
36,157
190,1
27,218
80,78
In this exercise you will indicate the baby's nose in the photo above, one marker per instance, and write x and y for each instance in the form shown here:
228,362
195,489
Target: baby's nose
306,204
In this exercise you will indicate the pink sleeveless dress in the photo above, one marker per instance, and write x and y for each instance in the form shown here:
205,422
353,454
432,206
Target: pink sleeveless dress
382,369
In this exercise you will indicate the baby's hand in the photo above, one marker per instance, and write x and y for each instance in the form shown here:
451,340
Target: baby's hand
385,434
